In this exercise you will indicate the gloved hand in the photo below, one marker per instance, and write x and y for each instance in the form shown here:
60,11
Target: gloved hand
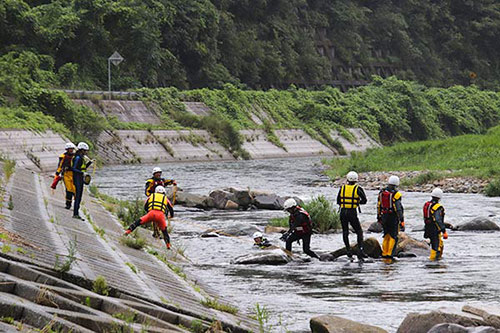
445,235
57,173
402,226
284,237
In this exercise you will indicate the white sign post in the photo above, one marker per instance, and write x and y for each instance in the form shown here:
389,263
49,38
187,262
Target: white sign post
116,59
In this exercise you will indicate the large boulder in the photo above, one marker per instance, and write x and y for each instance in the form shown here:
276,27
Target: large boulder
455,328
417,323
371,246
334,324
478,224
231,205
375,227
194,200
242,197
268,201
237,230
270,256
407,244
220,198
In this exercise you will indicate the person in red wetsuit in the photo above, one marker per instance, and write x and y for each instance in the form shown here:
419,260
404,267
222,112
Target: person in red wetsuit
156,205
300,227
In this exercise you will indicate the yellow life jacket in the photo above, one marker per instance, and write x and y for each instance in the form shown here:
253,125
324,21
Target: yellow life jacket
349,197
157,201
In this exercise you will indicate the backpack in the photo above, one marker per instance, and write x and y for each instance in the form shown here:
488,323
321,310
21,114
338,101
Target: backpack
386,199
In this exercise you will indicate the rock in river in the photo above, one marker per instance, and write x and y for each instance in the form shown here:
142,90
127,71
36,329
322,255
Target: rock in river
371,246
479,224
270,256
334,324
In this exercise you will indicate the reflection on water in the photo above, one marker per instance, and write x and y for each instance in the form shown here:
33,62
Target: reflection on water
376,293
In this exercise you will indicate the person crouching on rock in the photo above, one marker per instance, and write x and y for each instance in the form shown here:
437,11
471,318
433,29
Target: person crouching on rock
434,224
350,196
260,241
390,215
300,227
156,205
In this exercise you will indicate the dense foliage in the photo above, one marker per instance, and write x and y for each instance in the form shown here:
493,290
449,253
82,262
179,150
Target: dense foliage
257,43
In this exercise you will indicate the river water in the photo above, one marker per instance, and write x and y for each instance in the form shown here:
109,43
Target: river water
374,293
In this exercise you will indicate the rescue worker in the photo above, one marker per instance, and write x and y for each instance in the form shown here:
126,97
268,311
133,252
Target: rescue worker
300,227
156,180
156,206
350,196
260,241
64,169
390,214
78,167
435,228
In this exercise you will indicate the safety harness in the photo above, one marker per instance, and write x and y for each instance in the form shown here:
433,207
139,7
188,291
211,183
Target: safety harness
430,207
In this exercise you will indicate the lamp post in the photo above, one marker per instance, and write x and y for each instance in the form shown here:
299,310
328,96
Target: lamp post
116,59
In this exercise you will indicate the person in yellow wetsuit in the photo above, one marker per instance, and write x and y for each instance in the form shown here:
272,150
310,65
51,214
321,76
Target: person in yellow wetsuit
64,170
390,214
435,228
157,180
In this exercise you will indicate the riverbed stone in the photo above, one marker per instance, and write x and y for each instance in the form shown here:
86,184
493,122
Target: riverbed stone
478,224
231,205
408,244
269,229
371,246
335,324
238,230
455,328
268,201
417,322
242,196
375,227
194,200
272,256
220,198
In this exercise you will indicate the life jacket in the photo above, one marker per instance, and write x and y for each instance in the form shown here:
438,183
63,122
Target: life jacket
306,226
65,161
386,201
430,207
157,201
152,183
349,197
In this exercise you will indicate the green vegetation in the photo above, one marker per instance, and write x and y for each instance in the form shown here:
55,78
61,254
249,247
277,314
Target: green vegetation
8,320
468,155
9,166
215,304
423,178
6,248
100,286
493,188
323,215
134,241
262,315
10,204
70,258
132,267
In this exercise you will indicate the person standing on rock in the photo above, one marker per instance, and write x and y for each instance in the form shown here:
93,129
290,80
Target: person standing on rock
156,205
157,180
391,214
435,228
78,167
350,196
300,227
64,169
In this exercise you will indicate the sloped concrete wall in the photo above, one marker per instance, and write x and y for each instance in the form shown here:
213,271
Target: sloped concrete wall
30,150
126,111
297,144
362,143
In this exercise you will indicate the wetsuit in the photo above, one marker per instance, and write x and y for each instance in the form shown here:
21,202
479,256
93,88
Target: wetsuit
64,169
349,198
153,182
263,244
78,167
156,205
434,227
300,228
391,214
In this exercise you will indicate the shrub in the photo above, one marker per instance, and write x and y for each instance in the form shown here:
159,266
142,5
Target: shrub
493,188
100,286
134,241
323,214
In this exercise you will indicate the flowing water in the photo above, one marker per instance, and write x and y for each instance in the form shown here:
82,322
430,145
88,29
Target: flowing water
374,293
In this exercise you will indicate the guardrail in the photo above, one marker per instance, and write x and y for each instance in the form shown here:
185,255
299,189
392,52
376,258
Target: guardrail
104,94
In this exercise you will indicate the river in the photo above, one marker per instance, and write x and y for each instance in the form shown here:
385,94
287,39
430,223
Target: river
374,293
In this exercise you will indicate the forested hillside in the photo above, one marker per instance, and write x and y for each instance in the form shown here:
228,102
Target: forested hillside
256,43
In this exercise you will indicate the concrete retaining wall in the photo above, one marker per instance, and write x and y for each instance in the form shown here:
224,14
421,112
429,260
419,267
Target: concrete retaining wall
362,143
126,111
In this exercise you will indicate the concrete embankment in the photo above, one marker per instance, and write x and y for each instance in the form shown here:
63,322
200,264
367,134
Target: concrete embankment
39,237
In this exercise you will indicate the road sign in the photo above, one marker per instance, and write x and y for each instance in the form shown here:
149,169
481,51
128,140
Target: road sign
116,58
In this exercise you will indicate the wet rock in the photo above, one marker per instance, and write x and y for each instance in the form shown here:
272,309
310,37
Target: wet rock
231,205
375,227
417,323
455,328
371,246
270,229
194,200
220,198
406,255
478,224
238,230
407,244
209,234
490,313
334,324
268,201
242,197
272,256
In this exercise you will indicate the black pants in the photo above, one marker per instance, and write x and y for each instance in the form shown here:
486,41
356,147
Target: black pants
431,231
306,242
390,224
69,199
78,181
350,216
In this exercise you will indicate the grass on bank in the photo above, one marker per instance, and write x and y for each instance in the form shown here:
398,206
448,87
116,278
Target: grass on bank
323,215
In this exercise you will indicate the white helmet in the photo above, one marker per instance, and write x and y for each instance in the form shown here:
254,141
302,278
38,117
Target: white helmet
394,180
437,193
352,176
83,146
155,170
70,145
257,234
160,189
289,203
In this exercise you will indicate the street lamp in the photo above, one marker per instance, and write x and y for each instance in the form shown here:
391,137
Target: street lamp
116,59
